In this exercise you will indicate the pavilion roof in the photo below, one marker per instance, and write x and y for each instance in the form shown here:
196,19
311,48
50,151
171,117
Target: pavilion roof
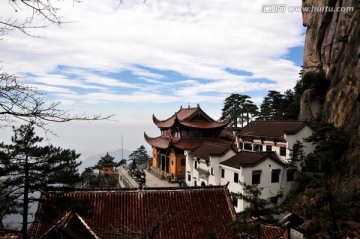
190,117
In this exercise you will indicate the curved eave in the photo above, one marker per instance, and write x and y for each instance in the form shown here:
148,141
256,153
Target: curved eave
158,142
164,123
206,125
186,144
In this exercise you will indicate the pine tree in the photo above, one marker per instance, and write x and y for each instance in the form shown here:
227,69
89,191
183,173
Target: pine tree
27,167
239,108
260,211
139,156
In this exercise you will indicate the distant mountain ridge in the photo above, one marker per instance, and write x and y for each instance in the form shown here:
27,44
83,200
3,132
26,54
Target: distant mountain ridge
94,159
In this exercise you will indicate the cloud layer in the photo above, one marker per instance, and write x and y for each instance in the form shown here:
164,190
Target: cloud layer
135,59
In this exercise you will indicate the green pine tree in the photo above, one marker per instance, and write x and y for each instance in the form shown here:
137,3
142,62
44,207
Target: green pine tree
260,211
28,166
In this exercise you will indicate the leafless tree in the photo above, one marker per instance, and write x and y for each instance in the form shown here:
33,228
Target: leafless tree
22,102
41,9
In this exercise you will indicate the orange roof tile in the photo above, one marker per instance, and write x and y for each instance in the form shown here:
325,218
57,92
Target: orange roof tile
124,213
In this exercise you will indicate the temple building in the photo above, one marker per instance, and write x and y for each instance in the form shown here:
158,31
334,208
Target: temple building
187,129
107,164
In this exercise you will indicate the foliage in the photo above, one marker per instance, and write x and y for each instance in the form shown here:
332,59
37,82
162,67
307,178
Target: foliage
331,143
278,106
314,182
91,179
317,83
139,156
260,211
240,108
27,167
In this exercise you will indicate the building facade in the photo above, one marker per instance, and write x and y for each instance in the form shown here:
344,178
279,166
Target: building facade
187,129
264,149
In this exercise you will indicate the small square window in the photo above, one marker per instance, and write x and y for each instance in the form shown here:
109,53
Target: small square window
274,200
235,201
282,151
189,177
247,147
275,175
256,176
223,173
236,177
257,147
268,148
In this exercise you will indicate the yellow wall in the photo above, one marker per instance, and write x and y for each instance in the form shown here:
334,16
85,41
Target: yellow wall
107,170
175,165
154,157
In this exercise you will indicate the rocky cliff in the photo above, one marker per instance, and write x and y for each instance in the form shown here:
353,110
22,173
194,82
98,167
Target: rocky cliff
332,45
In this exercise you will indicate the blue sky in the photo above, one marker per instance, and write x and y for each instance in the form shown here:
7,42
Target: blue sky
137,59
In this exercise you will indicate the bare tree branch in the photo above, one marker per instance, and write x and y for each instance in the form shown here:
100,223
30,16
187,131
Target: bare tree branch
21,102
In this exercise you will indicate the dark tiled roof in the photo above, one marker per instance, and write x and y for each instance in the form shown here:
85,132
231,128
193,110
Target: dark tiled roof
124,213
271,129
188,117
212,148
248,158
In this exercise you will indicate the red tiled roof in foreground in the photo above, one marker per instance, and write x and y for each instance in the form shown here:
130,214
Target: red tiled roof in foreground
271,232
176,213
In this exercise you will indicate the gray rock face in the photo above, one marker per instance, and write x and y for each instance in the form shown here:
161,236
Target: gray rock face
333,44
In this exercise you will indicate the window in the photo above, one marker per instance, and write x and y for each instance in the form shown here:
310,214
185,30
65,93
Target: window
183,162
223,173
257,147
247,147
195,165
274,200
268,148
183,134
291,174
275,175
211,171
194,134
256,177
236,177
195,183
189,177
235,201
282,151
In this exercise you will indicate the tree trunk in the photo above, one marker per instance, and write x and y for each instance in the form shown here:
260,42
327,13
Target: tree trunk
26,200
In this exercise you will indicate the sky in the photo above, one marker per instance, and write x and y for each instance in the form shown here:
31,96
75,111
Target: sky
137,58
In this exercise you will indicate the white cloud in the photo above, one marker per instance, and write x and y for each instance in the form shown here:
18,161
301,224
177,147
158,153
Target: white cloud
171,51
